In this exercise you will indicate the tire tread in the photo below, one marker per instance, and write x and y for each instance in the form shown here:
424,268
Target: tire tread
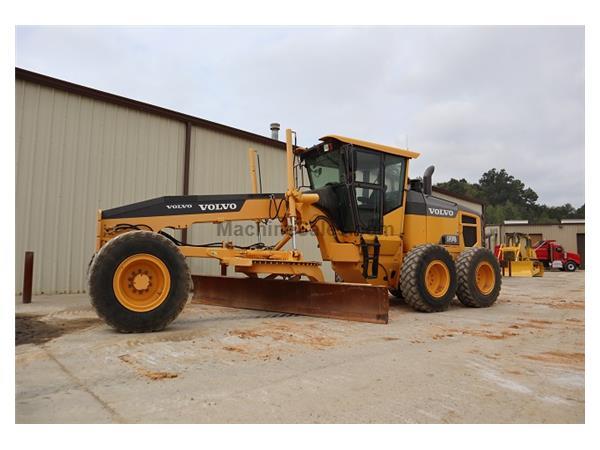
105,256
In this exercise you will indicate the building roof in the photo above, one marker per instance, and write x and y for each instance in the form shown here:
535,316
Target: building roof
459,196
536,224
77,89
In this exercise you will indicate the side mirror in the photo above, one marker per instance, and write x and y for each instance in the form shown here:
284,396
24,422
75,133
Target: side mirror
427,186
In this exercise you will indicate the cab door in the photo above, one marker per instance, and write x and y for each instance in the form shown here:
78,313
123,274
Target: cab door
367,191
378,186
394,169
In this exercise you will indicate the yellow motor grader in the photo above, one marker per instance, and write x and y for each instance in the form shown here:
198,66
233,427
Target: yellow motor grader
382,232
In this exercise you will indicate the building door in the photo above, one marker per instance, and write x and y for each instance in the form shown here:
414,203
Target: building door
581,248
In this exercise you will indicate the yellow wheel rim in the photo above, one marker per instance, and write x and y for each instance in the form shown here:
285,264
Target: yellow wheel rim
141,282
437,278
485,278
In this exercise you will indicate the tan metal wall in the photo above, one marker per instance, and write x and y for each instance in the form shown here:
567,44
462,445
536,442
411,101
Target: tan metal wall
219,165
73,156
566,234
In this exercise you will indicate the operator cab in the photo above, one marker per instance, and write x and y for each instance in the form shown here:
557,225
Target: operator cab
358,182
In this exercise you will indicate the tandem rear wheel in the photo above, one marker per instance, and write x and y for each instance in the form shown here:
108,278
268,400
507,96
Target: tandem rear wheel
430,278
479,277
139,282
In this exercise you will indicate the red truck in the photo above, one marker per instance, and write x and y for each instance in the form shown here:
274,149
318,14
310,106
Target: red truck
550,252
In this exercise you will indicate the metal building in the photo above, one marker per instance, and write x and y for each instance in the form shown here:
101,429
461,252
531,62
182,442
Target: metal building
570,233
79,150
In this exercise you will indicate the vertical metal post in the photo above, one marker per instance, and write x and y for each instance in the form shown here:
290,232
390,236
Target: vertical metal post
186,168
291,184
28,277
252,164
254,182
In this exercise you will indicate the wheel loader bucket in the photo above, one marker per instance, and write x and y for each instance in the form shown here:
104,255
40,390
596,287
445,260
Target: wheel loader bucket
347,301
527,269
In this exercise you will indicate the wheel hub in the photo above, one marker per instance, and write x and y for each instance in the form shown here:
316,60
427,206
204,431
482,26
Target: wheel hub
437,278
141,282
485,277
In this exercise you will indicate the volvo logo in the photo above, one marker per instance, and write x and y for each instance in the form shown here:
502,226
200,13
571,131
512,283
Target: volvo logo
441,212
217,206
205,207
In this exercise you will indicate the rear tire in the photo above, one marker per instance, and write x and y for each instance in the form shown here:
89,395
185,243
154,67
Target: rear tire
428,278
570,266
479,278
139,282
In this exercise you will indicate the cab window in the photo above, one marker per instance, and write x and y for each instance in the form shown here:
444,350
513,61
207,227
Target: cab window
394,182
368,190
325,169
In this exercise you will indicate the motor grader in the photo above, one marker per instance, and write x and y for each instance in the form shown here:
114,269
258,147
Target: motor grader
382,232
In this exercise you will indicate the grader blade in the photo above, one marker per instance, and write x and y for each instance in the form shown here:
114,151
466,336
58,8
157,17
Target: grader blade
347,301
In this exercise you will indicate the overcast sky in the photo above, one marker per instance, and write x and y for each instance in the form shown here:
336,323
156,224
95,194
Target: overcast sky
467,99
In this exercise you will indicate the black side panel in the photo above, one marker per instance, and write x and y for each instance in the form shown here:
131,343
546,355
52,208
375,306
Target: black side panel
426,205
184,204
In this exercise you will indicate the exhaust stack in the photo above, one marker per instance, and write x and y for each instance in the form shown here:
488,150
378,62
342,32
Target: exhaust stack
427,185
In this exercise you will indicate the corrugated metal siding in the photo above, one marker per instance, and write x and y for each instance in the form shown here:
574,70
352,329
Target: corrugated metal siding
219,165
73,156
565,234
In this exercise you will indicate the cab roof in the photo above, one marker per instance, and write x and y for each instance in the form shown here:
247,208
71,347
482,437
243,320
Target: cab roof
371,145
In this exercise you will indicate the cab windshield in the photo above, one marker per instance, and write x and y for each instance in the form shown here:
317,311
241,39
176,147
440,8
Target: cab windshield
325,169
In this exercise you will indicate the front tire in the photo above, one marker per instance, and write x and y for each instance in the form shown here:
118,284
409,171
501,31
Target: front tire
570,266
428,278
139,282
479,278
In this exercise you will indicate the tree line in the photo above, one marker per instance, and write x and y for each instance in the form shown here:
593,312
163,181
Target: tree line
507,198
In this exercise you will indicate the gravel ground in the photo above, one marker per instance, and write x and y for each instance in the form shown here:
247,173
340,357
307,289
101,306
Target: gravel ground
521,361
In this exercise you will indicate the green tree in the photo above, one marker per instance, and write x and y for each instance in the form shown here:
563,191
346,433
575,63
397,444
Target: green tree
498,187
507,197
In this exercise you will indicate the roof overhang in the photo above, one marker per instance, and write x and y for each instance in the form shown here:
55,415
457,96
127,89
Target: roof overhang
372,145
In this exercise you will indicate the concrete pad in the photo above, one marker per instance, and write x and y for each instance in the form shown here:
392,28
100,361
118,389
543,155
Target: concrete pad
520,361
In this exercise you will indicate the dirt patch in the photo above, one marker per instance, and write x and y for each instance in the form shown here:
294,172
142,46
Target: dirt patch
575,320
533,323
232,348
30,329
389,338
451,332
150,374
563,304
287,333
566,305
570,359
